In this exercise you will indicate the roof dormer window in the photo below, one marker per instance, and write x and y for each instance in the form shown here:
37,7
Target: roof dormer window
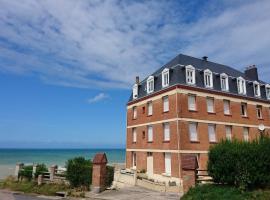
165,77
257,89
135,91
150,84
241,85
190,75
224,82
208,78
267,90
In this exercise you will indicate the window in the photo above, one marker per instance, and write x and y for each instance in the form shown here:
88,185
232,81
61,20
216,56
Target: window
134,160
166,131
150,133
228,132
134,110
150,108
244,109
165,77
135,91
227,107
241,84
150,84
192,102
208,78
193,131
259,112
210,104
168,167
267,89
224,82
134,135
246,133
257,89
190,75
165,104
212,132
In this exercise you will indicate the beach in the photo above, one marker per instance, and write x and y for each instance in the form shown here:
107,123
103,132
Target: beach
9,157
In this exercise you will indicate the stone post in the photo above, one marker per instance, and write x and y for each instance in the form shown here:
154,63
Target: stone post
99,172
52,172
135,177
18,167
40,179
189,166
34,170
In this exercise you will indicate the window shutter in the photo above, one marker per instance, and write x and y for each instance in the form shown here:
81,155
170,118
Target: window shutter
134,134
150,108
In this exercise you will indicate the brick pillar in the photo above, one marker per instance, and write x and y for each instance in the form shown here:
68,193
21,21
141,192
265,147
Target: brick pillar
99,172
189,167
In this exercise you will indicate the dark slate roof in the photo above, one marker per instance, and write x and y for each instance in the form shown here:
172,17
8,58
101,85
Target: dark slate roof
177,76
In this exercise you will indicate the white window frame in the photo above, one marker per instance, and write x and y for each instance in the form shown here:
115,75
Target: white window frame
191,80
245,110
166,104
135,91
166,131
212,133
134,112
208,78
168,164
165,77
229,107
208,105
241,85
228,132
246,133
259,108
190,107
193,136
149,108
150,84
226,78
134,135
150,133
257,89
267,91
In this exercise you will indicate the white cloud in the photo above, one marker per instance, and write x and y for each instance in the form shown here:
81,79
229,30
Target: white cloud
105,44
98,97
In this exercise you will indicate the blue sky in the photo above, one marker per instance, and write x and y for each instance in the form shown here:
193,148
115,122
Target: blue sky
66,67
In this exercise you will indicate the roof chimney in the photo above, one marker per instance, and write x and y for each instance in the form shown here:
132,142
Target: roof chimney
251,72
205,58
137,80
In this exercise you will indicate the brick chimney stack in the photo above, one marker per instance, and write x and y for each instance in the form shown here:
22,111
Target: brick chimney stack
251,73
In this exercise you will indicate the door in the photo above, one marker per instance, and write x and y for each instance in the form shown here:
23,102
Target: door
150,168
168,168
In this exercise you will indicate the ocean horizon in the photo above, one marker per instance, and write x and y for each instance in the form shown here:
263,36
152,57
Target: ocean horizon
10,156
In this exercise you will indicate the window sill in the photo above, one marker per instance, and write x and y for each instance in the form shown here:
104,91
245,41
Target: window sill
134,118
134,142
193,110
261,119
213,142
229,115
149,115
166,141
165,111
195,141
166,175
211,113
245,117
150,142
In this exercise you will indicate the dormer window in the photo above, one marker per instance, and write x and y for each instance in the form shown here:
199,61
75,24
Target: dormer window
208,78
150,84
165,77
190,75
241,85
257,89
267,89
135,91
224,82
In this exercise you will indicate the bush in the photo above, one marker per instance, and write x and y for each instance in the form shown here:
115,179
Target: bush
41,168
26,172
243,164
79,172
109,176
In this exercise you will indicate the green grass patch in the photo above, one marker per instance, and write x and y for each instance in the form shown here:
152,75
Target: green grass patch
221,192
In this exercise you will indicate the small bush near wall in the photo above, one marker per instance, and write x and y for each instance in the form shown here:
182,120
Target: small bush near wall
243,164
79,172
26,172
109,176
41,168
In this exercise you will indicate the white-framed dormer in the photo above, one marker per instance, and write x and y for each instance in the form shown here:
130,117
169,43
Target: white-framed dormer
267,90
208,78
190,75
165,77
257,89
135,91
241,85
150,84
224,82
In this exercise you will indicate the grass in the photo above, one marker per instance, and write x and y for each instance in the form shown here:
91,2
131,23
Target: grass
209,192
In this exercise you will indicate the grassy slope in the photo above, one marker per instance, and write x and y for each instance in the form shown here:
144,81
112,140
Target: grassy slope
209,192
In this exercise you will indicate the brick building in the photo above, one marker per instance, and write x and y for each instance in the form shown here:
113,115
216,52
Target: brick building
185,107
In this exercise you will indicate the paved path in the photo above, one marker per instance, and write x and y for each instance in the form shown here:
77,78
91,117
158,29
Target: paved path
7,195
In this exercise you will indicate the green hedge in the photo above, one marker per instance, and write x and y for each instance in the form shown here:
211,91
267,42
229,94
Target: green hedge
41,168
239,163
109,176
26,172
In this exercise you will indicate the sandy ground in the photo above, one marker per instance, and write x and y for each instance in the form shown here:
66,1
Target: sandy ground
6,170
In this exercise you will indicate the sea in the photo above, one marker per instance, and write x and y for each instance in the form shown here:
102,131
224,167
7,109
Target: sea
9,157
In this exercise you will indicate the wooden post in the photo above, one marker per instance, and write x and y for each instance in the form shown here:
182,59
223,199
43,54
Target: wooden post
18,167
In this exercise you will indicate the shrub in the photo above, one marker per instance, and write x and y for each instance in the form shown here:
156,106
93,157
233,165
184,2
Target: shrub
41,168
109,176
26,172
243,164
79,172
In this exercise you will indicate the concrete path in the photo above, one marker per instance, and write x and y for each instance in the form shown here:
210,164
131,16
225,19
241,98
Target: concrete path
135,193
8,195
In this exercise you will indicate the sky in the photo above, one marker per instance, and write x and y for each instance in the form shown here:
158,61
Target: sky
67,67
